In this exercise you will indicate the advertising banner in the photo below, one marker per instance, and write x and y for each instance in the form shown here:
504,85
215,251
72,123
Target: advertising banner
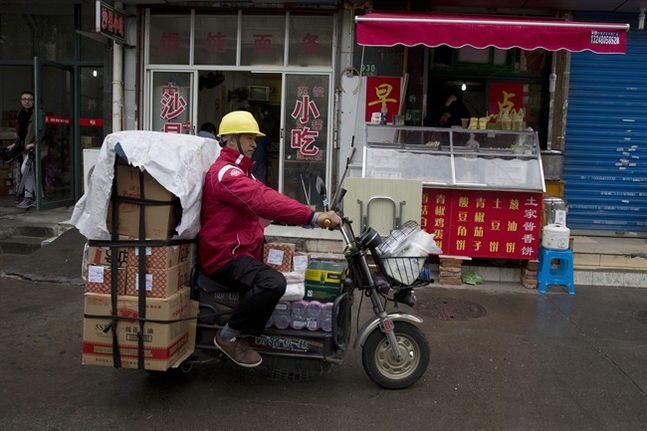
485,224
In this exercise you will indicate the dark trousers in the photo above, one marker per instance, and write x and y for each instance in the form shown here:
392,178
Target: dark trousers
260,286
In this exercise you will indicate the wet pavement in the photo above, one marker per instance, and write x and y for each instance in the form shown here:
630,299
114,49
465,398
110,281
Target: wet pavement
527,362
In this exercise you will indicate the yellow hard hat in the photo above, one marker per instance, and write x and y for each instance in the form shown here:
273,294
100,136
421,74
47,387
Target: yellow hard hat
239,123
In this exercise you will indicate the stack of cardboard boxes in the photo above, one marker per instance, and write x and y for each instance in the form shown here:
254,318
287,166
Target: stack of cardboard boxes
169,332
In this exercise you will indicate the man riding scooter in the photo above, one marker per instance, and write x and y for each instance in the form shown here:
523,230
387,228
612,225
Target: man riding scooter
235,209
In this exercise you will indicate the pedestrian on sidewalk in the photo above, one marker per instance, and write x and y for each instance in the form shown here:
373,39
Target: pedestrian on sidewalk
24,141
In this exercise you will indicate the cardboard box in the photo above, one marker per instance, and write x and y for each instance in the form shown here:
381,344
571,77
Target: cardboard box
128,185
103,255
160,220
323,281
321,293
98,279
161,257
166,345
174,307
160,283
279,256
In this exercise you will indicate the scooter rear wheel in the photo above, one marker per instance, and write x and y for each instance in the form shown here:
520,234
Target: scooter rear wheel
383,367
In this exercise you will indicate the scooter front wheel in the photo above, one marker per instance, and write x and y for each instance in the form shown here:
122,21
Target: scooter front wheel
388,371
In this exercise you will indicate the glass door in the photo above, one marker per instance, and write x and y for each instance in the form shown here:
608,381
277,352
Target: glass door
172,102
306,125
54,164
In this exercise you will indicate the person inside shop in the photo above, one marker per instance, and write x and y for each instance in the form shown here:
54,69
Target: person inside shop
262,150
207,130
449,114
23,145
235,209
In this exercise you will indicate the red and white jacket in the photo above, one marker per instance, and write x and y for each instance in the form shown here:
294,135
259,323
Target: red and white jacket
233,206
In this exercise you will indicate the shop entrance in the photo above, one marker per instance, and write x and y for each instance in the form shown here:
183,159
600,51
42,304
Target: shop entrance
293,110
258,93
55,156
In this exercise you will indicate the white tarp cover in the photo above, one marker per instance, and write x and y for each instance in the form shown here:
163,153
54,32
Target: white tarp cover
178,162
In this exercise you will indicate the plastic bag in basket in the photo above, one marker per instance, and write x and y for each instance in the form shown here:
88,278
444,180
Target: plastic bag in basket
407,259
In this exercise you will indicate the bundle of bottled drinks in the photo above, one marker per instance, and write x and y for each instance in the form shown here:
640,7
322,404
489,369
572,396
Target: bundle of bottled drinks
311,315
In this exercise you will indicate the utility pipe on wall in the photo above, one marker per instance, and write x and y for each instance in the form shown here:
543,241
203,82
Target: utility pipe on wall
117,82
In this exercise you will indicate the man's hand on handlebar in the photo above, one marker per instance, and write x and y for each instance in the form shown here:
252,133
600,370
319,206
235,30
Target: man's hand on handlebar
328,219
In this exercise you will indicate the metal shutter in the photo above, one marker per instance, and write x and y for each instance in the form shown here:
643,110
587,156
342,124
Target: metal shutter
605,163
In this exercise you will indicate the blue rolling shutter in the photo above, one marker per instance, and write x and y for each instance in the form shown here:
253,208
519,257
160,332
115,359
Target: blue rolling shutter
605,164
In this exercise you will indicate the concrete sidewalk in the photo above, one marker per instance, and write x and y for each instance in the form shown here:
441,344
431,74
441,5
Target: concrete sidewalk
599,261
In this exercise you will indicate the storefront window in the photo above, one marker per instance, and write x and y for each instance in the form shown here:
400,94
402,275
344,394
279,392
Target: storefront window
500,57
215,39
13,80
532,62
24,36
467,54
263,40
306,119
382,61
310,41
90,49
170,39
91,121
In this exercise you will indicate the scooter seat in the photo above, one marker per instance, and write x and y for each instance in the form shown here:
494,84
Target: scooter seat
220,292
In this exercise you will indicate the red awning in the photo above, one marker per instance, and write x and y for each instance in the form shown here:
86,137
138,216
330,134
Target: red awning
389,29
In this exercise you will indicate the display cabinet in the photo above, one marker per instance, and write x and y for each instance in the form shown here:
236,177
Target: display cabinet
482,189
455,157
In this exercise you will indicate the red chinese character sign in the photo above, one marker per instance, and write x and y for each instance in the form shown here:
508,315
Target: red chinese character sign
110,21
171,103
382,91
488,224
505,96
306,136
216,42
307,117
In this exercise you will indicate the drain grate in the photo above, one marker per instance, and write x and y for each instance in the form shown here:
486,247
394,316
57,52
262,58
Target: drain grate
451,309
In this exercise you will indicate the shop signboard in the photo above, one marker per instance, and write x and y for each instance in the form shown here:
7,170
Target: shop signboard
306,137
307,117
382,91
171,104
483,224
110,21
505,96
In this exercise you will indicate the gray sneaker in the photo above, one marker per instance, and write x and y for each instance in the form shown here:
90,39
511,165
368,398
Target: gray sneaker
238,351
26,203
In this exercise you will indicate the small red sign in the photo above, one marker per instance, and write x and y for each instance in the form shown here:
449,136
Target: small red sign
57,121
91,122
382,90
490,224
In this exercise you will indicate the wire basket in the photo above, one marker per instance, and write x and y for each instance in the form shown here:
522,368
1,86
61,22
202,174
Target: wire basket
397,240
405,269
